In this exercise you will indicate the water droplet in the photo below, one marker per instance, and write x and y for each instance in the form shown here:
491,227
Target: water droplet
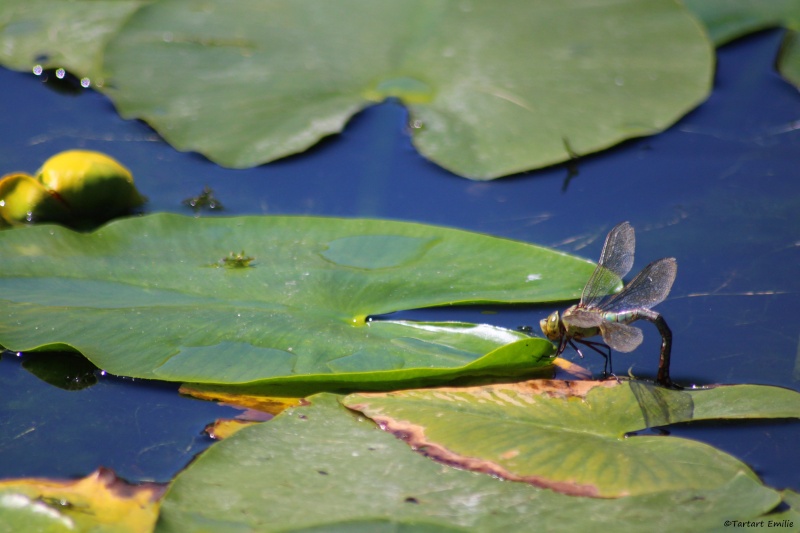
60,73
85,83
37,69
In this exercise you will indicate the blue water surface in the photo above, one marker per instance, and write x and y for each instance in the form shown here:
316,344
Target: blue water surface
719,191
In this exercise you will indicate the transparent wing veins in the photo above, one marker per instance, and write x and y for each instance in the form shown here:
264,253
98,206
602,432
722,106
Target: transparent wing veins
621,337
649,288
616,261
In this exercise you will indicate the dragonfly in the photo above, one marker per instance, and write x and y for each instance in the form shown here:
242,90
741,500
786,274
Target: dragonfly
610,315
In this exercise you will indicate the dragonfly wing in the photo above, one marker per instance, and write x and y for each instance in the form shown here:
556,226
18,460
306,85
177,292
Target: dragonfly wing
616,260
650,287
621,337
582,318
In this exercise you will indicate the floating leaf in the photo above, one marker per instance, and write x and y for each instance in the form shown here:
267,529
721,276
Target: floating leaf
730,19
320,468
789,57
224,428
138,298
727,20
493,88
265,404
99,502
571,436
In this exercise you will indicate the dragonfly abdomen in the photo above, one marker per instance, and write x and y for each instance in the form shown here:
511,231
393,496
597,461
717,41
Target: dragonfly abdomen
627,317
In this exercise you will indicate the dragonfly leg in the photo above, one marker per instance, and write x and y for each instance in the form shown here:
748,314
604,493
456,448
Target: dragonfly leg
601,348
579,352
562,345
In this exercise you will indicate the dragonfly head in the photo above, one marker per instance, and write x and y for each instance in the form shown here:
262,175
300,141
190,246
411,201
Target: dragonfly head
552,327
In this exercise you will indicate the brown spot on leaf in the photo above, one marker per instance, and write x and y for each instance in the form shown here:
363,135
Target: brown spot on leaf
510,454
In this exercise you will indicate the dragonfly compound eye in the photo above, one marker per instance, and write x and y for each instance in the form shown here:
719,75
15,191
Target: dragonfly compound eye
551,326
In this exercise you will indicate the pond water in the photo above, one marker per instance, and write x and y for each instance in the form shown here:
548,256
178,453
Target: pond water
718,191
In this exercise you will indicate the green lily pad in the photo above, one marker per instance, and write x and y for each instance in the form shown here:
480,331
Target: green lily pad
727,20
147,297
55,34
492,88
571,436
321,468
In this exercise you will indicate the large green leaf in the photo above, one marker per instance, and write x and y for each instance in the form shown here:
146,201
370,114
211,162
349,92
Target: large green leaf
493,88
571,436
320,468
148,297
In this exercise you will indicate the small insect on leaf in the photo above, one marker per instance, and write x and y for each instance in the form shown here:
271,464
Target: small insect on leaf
239,260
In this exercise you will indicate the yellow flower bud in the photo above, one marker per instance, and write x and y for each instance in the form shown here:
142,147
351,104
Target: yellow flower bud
24,200
93,185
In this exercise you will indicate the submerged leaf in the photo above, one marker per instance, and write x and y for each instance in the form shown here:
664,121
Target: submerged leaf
65,370
138,298
573,437
320,468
